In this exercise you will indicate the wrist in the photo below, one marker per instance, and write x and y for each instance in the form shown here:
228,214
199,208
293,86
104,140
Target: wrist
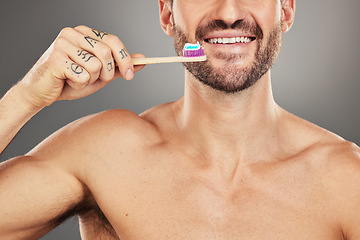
15,111
20,100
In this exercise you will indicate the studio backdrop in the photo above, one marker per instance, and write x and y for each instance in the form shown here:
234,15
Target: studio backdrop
316,76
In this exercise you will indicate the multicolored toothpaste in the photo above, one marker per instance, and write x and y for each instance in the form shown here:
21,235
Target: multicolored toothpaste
193,50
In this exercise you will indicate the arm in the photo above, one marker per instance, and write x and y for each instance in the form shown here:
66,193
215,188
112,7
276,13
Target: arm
78,63
52,182
38,189
14,113
34,196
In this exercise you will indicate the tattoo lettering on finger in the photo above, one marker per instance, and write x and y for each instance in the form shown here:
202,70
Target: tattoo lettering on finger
76,69
91,41
99,34
110,66
124,53
85,55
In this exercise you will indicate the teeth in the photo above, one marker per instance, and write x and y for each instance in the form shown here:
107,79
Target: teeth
229,40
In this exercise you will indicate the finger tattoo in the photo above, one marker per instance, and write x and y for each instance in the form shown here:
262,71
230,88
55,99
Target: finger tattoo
76,69
91,41
124,53
110,66
99,34
85,55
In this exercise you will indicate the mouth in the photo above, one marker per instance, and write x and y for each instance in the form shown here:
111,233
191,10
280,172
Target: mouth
232,40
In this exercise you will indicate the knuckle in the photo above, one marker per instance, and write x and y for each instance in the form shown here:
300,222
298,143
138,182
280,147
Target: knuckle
95,66
66,31
83,80
105,52
112,39
81,27
86,77
56,58
59,43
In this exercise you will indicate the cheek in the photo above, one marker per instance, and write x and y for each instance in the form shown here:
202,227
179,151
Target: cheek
189,14
269,15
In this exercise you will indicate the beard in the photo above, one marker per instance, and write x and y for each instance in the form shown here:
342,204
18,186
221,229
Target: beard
231,78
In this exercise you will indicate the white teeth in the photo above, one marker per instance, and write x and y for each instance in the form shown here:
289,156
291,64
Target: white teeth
229,40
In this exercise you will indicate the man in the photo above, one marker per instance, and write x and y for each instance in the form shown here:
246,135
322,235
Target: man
223,162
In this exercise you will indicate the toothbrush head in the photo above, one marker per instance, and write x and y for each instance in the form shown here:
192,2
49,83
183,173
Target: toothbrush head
193,50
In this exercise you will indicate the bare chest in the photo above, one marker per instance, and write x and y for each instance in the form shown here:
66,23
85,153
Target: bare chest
168,202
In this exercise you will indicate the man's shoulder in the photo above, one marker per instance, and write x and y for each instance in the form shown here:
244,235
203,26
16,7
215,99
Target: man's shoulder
318,141
343,160
115,124
332,166
326,152
98,135
330,150
339,177
338,154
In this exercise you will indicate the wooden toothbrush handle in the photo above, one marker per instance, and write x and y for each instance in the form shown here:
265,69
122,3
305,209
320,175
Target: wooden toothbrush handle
144,61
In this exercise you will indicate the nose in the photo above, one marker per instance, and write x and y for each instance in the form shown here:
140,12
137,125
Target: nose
230,11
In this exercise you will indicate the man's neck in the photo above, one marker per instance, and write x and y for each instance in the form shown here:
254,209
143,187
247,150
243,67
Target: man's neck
234,127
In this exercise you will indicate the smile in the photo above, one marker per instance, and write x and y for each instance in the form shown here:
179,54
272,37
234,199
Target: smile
230,40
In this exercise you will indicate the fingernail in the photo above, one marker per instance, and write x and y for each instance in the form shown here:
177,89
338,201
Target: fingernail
129,74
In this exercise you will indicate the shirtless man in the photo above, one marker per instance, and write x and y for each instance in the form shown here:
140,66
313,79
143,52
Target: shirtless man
223,162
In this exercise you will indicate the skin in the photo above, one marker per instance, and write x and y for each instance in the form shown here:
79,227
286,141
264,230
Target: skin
211,165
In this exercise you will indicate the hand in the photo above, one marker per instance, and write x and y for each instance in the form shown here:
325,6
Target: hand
78,63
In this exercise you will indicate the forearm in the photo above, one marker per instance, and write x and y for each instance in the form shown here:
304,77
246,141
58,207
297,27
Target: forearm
14,113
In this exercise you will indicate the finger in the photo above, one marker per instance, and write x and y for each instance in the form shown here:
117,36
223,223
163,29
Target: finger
64,68
100,50
123,59
118,50
82,58
86,60
69,94
138,67
77,77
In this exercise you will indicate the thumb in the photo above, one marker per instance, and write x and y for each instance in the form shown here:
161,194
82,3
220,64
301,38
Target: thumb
138,55
136,68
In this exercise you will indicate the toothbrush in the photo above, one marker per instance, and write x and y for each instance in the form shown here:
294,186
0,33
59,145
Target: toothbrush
191,53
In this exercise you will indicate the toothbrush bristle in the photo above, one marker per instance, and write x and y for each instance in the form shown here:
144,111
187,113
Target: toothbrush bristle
193,50
194,53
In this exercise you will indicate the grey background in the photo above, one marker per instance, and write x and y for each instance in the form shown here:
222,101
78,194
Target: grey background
315,77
